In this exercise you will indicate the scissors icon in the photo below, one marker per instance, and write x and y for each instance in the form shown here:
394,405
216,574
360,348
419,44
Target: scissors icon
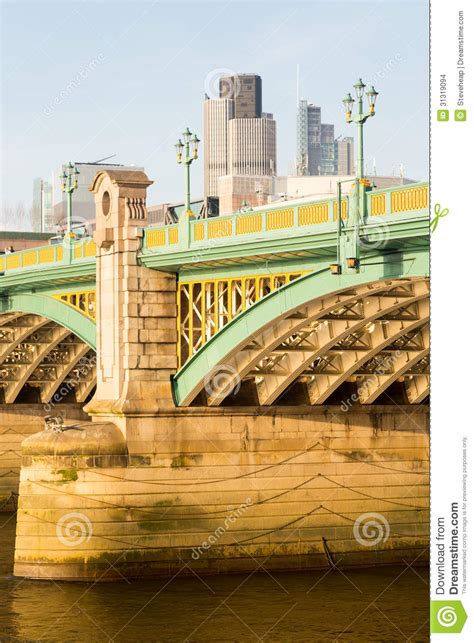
439,214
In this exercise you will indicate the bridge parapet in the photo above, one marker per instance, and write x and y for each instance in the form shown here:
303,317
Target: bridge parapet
285,219
161,245
83,251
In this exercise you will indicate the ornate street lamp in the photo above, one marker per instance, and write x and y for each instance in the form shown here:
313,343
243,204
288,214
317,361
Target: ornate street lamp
359,199
361,117
68,185
186,153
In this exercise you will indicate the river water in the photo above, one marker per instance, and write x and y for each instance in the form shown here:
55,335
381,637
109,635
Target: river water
389,604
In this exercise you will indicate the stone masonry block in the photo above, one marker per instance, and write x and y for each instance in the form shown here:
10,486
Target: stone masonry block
158,297
157,310
157,283
130,290
166,335
159,323
130,310
158,361
160,349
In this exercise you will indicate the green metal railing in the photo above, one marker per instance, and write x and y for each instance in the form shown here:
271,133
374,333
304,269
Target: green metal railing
49,255
284,220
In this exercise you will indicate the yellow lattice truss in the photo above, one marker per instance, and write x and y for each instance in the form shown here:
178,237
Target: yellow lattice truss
81,300
204,307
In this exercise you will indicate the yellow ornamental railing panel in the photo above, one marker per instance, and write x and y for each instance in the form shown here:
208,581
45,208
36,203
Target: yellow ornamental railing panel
156,238
199,231
29,258
216,229
378,206
2,263
424,197
280,219
46,255
343,210
78,251
249,223
59,253
409,199
173,235
89,249
13,261
312,214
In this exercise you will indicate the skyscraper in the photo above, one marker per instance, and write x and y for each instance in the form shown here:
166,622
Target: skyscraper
316,149
345,155
217,115
308,135
238,137
42,208
252,146
37,205
246,92
327,165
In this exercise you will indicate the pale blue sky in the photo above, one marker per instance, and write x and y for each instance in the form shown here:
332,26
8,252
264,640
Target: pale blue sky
128,77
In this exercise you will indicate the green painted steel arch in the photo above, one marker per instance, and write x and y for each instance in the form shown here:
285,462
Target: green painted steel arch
55,310
292,296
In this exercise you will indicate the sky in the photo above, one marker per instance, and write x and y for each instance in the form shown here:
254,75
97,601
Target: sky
84,80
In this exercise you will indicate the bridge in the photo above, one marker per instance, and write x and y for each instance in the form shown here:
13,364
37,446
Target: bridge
237,276
273,360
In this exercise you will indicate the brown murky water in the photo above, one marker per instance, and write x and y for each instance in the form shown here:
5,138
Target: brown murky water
389,604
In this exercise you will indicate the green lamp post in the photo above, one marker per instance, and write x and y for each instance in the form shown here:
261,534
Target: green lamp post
68,185
361,183
187,152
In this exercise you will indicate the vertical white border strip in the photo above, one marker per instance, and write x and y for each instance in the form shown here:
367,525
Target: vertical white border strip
452,258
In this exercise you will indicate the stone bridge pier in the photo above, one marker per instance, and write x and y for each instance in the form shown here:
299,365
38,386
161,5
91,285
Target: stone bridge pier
147,488
136,307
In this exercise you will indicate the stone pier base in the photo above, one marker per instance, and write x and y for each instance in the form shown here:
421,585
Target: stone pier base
17,422
226,490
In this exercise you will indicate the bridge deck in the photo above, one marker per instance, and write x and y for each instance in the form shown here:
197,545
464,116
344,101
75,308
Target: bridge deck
285,232
225,266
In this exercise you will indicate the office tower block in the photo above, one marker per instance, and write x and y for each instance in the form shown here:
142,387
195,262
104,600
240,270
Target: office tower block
252,146
246,92
238,137
316,152
345,155
217,116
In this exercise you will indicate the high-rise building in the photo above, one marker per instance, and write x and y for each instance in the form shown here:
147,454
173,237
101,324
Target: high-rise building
316,149
238,137
327,165
42,208
37,204
345,155
246,92
308,137
217,115
252,146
